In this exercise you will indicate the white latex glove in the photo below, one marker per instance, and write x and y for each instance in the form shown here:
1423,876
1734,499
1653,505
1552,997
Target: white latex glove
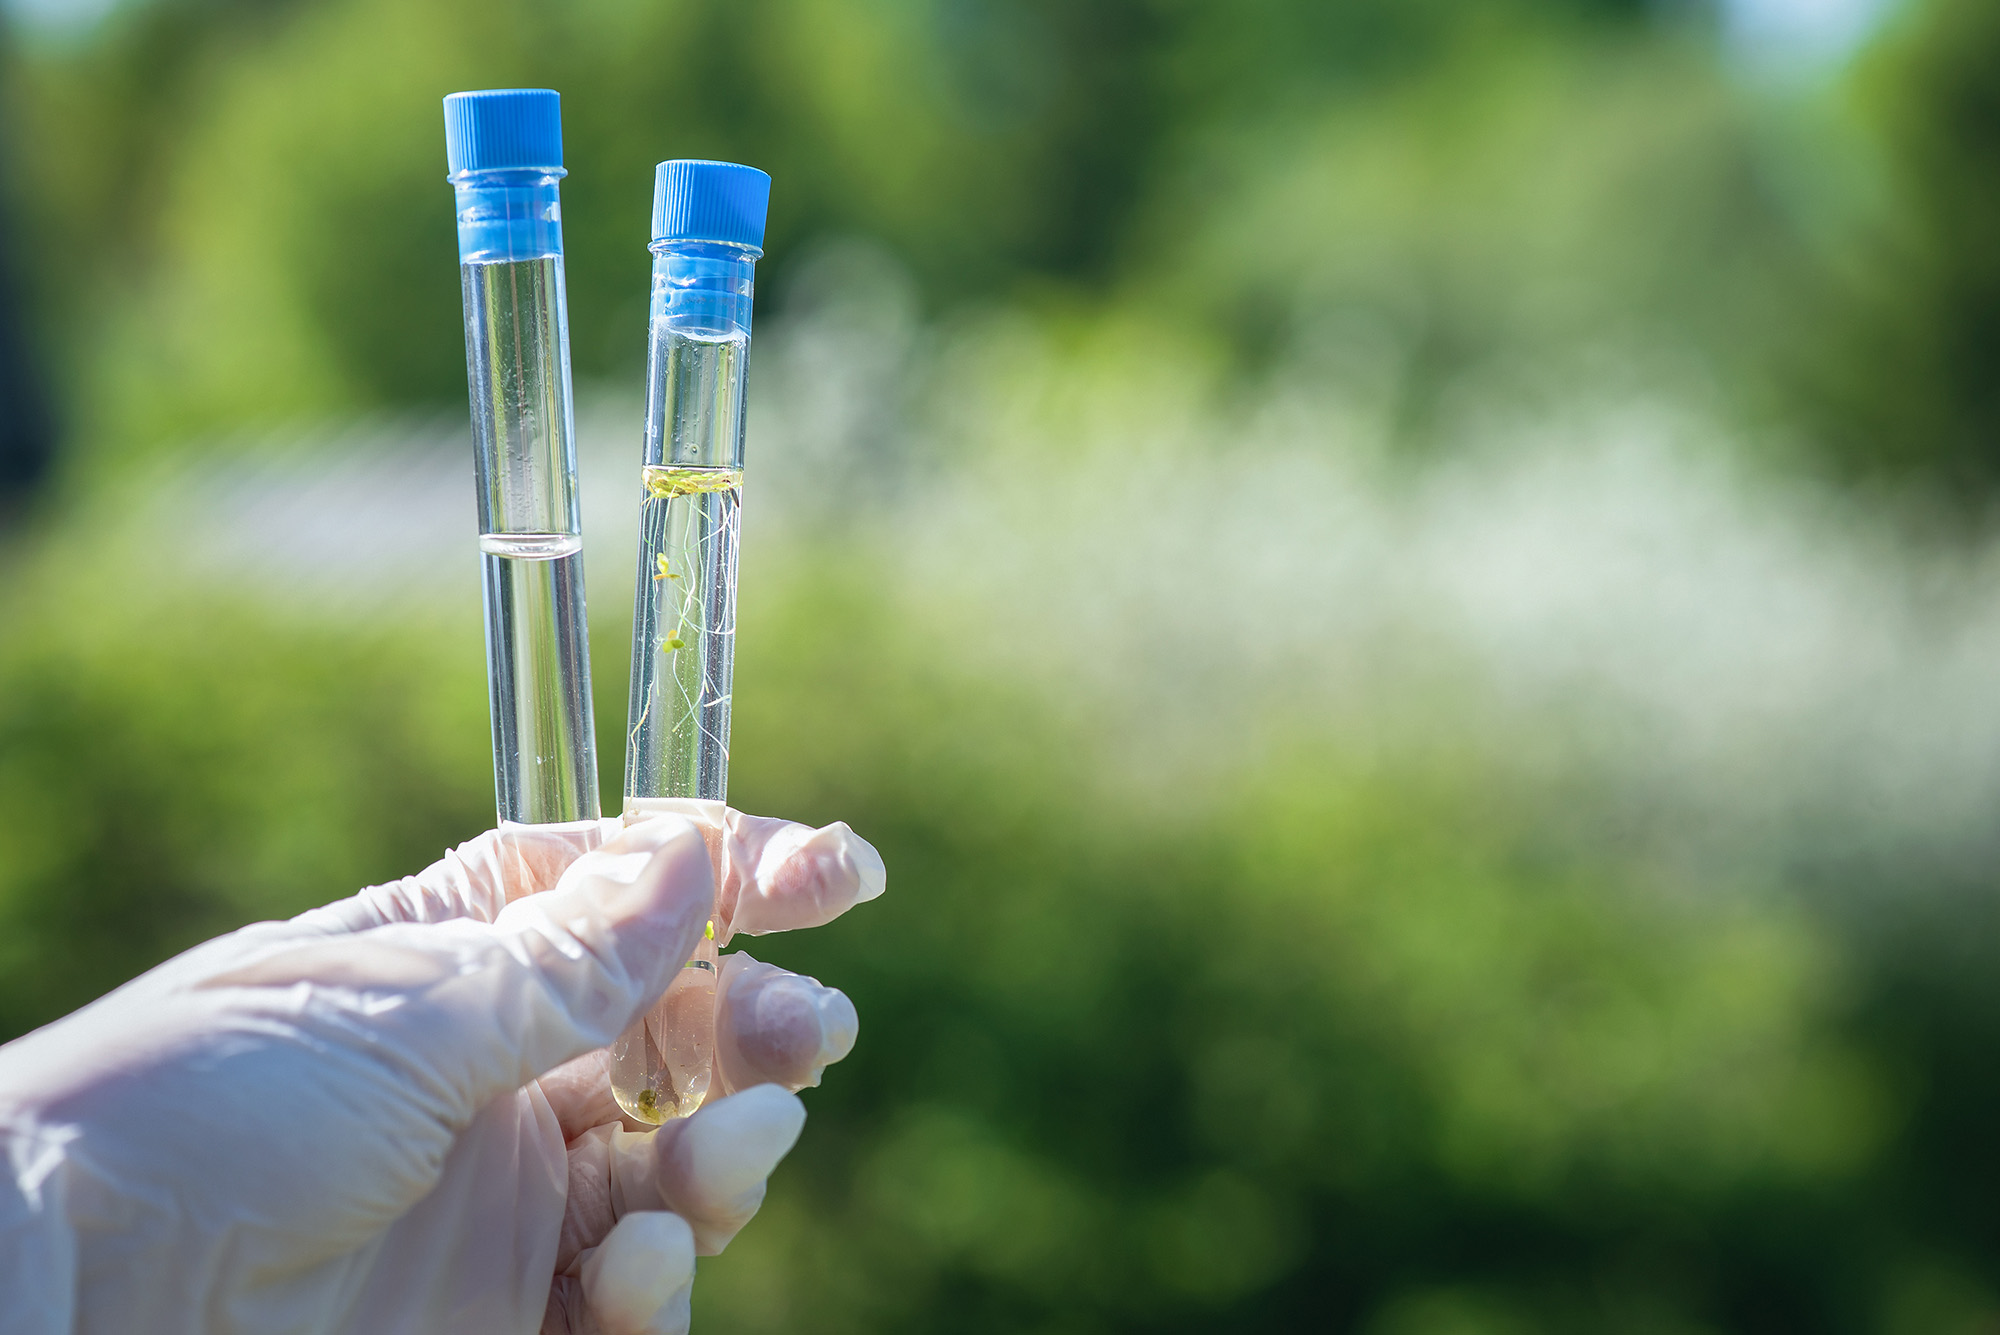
334,1124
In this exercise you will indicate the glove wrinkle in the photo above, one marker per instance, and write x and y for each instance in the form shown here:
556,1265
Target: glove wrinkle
589,1210
475,880
38,1253
580,1092
564,1314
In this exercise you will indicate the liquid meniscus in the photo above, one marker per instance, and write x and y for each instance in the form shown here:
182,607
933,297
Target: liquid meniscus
530,546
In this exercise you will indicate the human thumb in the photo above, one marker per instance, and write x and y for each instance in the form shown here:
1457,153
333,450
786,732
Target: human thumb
463,1011
611,935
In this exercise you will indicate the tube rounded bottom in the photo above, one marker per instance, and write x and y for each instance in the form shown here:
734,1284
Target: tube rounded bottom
662,1067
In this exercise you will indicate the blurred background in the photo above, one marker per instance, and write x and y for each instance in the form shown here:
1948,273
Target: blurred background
1409,588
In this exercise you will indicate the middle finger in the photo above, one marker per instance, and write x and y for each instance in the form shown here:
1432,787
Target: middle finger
709,1169
772,1026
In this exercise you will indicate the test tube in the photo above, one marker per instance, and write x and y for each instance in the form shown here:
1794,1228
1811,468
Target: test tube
504,148
708,233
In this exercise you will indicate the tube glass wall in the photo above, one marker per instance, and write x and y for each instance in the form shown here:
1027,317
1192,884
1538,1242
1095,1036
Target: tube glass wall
530,528
684,621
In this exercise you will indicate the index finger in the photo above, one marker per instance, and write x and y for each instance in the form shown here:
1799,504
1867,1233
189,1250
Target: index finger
775,875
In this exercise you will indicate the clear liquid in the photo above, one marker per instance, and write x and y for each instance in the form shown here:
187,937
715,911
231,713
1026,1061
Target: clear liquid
695,393
524,453
538,672
517,374
684,633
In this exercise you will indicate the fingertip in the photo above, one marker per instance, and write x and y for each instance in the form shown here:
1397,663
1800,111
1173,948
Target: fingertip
636,1280
839,1026
737,1141
779,1027
874,872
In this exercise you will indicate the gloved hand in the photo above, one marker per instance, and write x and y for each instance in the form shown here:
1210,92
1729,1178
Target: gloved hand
391,1114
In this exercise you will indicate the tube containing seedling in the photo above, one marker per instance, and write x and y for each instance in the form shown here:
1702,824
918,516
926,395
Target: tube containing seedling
708,233
504,148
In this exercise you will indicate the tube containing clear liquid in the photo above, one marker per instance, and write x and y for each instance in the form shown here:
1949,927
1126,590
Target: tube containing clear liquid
504,147
708,233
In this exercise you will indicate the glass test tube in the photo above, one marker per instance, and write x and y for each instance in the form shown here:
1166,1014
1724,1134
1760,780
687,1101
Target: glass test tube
708,232
505,152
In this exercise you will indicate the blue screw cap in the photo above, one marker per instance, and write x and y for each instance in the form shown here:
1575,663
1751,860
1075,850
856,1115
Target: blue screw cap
499,128
696,200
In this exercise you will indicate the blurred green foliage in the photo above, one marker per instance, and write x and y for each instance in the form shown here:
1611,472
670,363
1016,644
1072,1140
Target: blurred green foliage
1414,1040
1294,1058
1902,373
1457,187
244,181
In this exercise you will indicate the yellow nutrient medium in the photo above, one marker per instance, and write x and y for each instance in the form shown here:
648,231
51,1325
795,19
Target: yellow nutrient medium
663,482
